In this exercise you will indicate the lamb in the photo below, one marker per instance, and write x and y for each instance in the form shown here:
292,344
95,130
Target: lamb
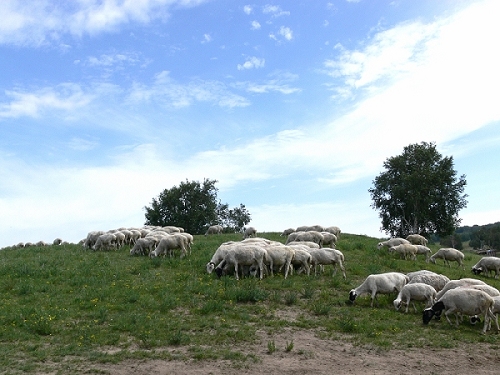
279,256
462,301
405,250
326,256
424,250
243,255
415,292
392,242
249,232
437,281
487,265
449,254
169,243
417,239
383,283
329,239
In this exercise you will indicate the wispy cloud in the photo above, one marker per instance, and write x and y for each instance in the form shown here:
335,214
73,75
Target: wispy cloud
64,97
274,10
283,33
255,25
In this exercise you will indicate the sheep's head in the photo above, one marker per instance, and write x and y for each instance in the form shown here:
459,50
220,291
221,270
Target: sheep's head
397,304
380,245
477,270
210,267
435,310
474,319
352,295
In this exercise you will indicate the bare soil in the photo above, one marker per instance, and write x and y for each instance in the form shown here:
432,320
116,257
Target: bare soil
313,355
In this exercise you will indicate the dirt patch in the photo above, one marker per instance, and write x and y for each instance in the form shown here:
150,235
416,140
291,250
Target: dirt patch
313,355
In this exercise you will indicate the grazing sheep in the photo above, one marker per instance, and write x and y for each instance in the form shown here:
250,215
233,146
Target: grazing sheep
119,238
144,246
325,256
415,292
57,241
424,250
333,230
105,242
91,239
306,228
189,238
448,254
452,284
243,255
287,232
417,239
281,257
329,239
462,301
214,229
405,250
490,290
383,283
311,236
135,234
218,256
487,265
249,232
301,260
392,242
312,245
169,243
437,281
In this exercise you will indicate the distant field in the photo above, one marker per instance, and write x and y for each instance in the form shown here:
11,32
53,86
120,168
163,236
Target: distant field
63,306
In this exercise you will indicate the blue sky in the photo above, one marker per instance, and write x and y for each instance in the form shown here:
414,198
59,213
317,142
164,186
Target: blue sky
292,106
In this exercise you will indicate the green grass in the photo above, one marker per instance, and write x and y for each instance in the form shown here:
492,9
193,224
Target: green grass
63,306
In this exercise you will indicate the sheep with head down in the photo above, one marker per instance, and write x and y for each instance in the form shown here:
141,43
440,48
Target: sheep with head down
382,283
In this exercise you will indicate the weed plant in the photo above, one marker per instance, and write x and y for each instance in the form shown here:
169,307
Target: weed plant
64,306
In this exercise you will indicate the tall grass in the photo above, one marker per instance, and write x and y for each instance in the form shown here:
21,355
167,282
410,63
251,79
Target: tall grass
62,306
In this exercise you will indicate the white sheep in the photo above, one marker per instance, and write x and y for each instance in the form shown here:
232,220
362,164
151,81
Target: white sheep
406,251
329,239
462,301
105,241
169,243
310,236
333,230
452,284
249,232
312,245
218,256
392,242
437,281
302,259
415,292
144,246
286,232
382,283
308,228
448,254
424,250
57,241
280,257
417,239
243,255
487,265
214,229
189,238
326,256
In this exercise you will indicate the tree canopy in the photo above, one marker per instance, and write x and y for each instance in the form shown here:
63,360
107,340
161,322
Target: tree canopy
193,206
419,192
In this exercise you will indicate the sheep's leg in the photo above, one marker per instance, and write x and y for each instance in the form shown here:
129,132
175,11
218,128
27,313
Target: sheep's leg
236,271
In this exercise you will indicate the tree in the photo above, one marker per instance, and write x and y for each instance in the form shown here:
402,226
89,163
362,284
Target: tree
193,206
419,193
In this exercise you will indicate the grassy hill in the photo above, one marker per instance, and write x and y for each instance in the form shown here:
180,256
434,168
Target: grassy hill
63,306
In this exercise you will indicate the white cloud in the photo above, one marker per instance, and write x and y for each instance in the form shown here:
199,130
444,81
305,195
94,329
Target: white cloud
207,38
255,25
248,9
286,32
251,63
274,10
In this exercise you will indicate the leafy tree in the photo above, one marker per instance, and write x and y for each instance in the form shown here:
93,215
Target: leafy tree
419,193
193,206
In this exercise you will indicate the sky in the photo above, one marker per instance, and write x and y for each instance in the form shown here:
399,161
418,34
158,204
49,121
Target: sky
292,106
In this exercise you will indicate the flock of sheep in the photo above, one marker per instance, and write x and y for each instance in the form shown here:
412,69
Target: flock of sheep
464,297
312,248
